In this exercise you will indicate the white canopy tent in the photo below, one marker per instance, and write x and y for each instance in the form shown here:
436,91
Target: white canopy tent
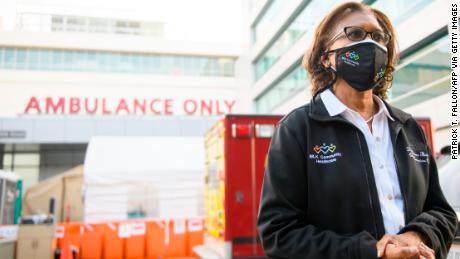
159,176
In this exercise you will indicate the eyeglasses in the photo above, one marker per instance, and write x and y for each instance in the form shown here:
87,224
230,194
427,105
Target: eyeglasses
355,33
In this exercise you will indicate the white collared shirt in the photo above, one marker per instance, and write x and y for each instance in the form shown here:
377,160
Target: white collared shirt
381,154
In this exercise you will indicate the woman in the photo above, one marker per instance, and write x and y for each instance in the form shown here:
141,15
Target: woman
348,175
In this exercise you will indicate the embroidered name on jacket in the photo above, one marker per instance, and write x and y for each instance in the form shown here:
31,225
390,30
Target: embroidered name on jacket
421,157
325,154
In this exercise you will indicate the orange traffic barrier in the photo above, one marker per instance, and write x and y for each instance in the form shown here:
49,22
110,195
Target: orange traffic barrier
150,239
177,238
69,232
91,242
195,235
155,239
66,250
112,243
135,239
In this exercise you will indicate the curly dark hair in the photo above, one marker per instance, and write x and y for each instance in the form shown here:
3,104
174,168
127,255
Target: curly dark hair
320,76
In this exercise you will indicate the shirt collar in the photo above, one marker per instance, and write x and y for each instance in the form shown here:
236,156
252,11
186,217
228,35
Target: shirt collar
334,106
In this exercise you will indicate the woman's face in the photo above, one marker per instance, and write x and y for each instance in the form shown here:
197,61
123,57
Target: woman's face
360,19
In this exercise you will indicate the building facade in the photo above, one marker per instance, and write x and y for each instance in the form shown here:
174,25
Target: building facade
68,73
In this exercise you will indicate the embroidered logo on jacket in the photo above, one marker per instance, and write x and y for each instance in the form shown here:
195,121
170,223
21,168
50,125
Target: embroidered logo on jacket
325,154
421,157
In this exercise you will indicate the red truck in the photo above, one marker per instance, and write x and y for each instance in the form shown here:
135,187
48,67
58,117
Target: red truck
236,148
236,152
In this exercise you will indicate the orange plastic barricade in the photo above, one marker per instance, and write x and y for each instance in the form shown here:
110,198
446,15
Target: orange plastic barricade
152,239
134,234
195,235
91,242
112,245
59,234
66,251
71,232
176,234
155,239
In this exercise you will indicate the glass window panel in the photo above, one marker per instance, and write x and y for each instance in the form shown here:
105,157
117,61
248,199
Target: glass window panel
9,58
156,64
92,62
103,61
26,159
422,75
166,65
7,160
57,23
303,23
201,66
269,17
29,148
21,58
2,52
116,63
98,25
33,59
438,89
144,63
400,10
176,68
79,60
69,60
188,66
428,66
227,67
125,62
284,89
97,61
76,24
45,59
135,63
57,58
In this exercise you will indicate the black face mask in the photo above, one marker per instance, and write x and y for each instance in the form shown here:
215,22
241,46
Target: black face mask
361,64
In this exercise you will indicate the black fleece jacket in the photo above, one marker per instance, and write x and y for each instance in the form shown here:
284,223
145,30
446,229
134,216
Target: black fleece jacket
319,198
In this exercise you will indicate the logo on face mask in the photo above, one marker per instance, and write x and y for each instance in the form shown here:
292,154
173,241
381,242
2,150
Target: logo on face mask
350,58
325,154
379,74
352,55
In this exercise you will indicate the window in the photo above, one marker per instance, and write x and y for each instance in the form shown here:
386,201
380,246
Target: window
9,58
423,75
275,7
400,10
112,62
24,162
303,23
288,86
21,58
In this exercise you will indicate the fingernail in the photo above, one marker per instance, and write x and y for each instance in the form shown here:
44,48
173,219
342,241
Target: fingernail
379,253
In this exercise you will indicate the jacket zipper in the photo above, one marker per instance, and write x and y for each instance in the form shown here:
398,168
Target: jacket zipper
400,185
368,186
